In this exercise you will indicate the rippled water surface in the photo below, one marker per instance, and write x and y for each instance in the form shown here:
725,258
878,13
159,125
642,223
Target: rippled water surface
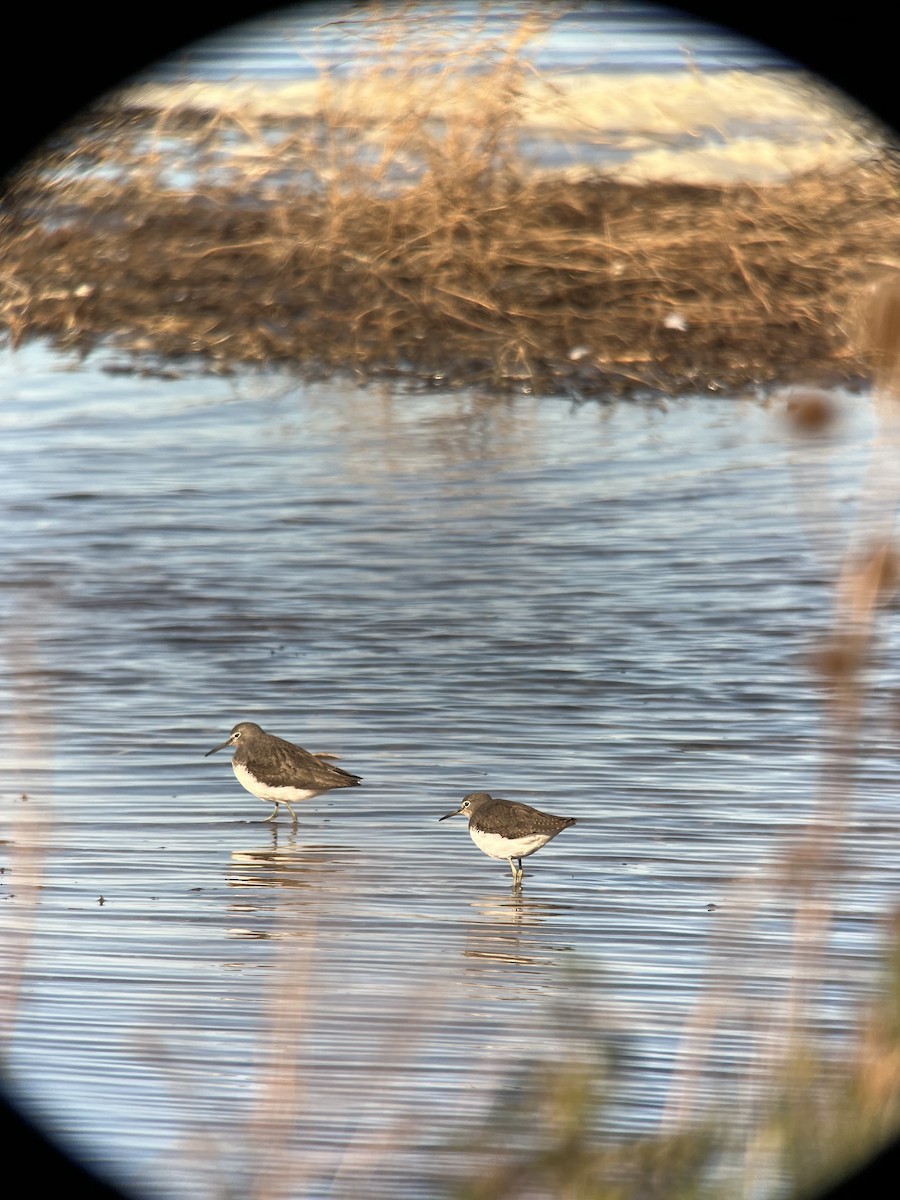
604,611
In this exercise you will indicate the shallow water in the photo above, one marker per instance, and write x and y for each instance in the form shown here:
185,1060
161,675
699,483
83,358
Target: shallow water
604,611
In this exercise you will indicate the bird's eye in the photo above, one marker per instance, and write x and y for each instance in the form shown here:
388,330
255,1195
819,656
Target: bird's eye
236,734
465,803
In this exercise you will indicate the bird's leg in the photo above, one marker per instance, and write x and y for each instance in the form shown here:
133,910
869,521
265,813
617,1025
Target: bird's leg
518,873
273,814
291,811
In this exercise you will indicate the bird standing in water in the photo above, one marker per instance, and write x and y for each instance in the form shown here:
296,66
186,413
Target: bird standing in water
278,771
508,829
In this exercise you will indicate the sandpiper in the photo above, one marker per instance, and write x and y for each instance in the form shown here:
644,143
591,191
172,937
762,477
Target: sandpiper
508,829
278,771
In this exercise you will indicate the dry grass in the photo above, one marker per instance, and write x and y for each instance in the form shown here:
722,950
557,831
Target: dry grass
400,229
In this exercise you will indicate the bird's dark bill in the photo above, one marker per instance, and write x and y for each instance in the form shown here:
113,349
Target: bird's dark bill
215,748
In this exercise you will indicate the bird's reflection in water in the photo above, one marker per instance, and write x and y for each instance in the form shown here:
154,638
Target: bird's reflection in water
285,860
285,875
294,866
513,929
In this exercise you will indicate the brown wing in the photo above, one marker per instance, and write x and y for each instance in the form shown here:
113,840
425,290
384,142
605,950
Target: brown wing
288,760
509,817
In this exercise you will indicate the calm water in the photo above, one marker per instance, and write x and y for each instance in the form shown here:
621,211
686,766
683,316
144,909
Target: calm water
606,611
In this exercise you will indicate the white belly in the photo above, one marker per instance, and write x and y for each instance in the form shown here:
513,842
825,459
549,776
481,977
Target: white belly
263,791
500,847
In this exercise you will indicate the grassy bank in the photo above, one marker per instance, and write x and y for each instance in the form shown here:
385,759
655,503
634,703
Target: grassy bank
413,237
584,287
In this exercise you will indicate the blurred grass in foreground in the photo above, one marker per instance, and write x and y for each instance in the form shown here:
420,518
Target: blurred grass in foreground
808,1111
821,1115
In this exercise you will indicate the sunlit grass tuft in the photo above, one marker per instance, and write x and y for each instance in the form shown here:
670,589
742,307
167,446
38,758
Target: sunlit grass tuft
397,225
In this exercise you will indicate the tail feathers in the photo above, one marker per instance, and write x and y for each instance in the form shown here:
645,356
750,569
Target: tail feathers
327,758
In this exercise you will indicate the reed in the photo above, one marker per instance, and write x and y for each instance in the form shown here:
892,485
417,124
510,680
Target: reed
395,226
